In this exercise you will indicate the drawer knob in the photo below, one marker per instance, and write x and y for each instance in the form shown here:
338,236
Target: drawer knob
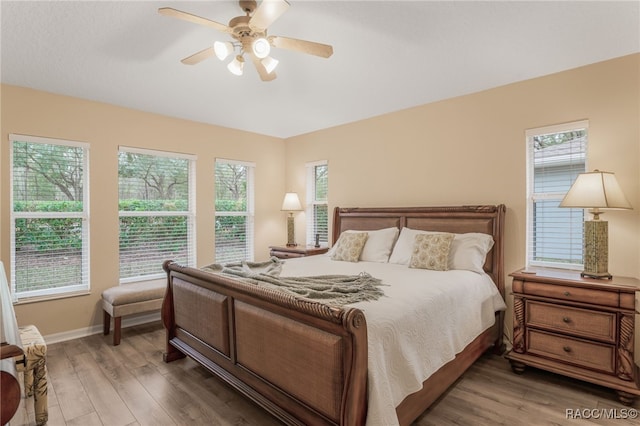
566,293
566,349
566,320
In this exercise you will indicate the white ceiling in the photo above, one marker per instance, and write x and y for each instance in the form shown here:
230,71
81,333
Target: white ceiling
388,55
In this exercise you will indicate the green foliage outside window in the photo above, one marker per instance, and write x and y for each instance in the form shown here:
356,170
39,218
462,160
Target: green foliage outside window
48,219
52,233
231,230
232,222
545,141
48,235
47,172
321,183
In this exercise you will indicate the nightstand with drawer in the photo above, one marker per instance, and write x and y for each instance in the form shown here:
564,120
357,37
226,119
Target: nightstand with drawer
579,327
284,252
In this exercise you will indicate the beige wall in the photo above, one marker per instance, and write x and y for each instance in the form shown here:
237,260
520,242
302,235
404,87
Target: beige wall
466,150
105,127
471,150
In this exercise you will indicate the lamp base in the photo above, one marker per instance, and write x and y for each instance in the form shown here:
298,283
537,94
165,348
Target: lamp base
596,249
291,239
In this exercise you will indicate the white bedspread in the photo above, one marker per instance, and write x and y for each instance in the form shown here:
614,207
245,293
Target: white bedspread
425,319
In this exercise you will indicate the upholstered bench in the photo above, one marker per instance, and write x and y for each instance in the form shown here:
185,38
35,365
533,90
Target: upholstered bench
35,370
127,299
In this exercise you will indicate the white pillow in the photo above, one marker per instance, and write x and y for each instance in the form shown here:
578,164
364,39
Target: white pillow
468,251
404,246
378,245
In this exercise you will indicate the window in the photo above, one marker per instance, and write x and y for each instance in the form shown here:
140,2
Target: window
555,157
156,204
317,205
49,216
234,211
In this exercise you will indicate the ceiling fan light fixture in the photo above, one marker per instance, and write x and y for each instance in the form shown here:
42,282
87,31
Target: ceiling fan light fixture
270,64
223,49
250,35
236,66
261,47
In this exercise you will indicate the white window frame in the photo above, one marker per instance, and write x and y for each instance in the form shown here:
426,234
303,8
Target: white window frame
189,214
312,202
250,212
533,197
84,215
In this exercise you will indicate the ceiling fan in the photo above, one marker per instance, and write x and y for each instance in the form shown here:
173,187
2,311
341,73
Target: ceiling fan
250,38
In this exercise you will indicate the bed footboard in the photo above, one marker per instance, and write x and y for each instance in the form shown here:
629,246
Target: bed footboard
304,362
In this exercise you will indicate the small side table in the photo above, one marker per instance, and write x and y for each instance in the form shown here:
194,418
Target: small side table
284,252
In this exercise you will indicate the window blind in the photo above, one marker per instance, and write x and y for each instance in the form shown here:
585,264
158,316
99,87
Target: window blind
49,216
156,209
234,216
317,202
556,156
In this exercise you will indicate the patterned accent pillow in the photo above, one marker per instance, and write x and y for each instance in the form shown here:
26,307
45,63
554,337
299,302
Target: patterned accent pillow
349,246
431,251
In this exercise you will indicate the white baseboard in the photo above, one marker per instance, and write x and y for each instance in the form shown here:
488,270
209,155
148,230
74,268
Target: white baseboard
95,329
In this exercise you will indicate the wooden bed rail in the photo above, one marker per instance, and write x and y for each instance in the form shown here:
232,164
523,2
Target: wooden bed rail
303,361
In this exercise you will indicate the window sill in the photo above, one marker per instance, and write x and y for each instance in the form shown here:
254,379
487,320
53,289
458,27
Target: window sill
29,300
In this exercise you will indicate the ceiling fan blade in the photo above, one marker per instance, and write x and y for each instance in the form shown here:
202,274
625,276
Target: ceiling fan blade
264,75
174,13
310,47
267,13
198,57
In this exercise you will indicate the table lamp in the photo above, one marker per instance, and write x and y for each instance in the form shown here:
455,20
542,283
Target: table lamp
291,204
596,190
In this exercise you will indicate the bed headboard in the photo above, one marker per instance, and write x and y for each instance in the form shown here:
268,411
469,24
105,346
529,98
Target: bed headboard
488,219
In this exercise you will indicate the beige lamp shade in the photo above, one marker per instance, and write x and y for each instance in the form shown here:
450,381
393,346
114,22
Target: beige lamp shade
291,202
596,190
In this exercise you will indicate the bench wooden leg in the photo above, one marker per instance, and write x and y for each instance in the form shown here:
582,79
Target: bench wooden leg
116,330
106,321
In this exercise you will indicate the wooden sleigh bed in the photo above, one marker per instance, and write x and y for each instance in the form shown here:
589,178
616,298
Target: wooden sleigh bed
305,362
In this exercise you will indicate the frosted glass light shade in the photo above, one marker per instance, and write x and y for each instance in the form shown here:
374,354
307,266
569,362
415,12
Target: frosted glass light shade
269,63
222,49
291,202
261,47
596,190
236,66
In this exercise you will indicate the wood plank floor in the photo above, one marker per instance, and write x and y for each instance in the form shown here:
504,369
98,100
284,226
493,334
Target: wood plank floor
92,382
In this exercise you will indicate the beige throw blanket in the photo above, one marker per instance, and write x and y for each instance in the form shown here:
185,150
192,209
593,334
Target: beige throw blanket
334,290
